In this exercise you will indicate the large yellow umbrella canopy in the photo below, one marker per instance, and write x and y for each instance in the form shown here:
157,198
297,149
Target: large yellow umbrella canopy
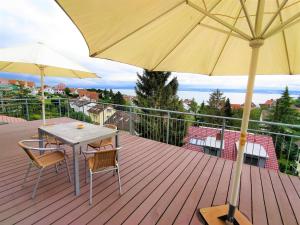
38,59
213,37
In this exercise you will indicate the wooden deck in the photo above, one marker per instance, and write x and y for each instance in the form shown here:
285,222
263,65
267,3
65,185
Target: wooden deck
162,184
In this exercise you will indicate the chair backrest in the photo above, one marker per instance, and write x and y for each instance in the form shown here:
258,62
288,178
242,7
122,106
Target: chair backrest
111,126
29,153
104,159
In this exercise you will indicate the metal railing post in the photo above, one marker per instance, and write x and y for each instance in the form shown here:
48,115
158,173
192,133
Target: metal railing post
288,156
59,106
222,137
103,116
68,109
27,111
130,121
168,128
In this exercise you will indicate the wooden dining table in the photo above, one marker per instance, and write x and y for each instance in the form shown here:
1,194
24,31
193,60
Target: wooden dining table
71,134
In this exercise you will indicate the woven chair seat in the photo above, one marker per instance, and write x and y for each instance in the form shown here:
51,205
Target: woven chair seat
50,158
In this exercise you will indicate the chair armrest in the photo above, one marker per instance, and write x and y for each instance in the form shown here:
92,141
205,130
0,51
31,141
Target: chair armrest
38,148
93,151
89,152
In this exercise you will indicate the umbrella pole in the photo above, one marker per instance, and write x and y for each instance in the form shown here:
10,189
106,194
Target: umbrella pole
255,45
43,95
225,214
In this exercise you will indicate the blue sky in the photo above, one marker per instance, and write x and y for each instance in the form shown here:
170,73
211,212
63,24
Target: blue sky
29,21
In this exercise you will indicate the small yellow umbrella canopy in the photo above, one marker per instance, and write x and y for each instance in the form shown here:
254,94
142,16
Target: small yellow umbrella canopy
38,59
213,37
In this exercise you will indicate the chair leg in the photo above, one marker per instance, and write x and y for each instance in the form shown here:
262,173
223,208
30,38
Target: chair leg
27,173
91,187
119,179
56,168
37,184
66,162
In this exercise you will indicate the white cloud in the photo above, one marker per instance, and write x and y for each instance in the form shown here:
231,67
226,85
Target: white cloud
24,21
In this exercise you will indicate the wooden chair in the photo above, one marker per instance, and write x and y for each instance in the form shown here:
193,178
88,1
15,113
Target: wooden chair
103,161
104,142
52,158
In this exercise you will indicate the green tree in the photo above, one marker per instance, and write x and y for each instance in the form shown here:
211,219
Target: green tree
283,111
118,99
216,102
154,90
194,108
286,150
68,91
227,108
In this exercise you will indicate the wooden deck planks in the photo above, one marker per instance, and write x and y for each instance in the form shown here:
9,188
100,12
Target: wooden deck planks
80,205
272,210
143,185
62,201
223,186
158,209
162,184
187,212
286,211
165,191
245,197
258,204
209,191
291,193
176,205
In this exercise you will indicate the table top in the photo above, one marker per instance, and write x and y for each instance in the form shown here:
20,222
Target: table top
70,134
254,149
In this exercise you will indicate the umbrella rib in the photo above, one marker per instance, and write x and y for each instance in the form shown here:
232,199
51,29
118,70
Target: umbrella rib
184,36
247,17
139,28
223,31
283,25
226,41
278,12
284,40
215,18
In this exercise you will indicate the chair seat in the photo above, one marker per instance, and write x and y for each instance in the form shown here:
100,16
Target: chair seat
50,158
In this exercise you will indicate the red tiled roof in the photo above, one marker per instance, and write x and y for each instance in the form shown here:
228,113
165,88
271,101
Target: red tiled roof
8,119
230,138
15,82
89,94
235,106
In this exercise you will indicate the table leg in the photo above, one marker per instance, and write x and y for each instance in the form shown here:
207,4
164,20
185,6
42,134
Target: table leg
41,137
117,140
76,170
40,133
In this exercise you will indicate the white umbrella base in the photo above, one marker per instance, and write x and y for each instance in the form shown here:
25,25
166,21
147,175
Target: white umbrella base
217,216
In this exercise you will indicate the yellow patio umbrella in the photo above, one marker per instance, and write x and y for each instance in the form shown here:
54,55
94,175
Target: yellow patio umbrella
38,59
213,37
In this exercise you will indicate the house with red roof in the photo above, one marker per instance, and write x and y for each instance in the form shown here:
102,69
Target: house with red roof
268,104
235,106
259,150
89,95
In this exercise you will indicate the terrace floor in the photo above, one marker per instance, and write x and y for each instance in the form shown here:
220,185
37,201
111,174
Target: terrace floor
162,184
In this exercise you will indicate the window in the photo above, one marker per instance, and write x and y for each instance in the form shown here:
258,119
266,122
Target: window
251,160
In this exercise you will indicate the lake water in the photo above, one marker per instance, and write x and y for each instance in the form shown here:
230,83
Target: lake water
235,98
